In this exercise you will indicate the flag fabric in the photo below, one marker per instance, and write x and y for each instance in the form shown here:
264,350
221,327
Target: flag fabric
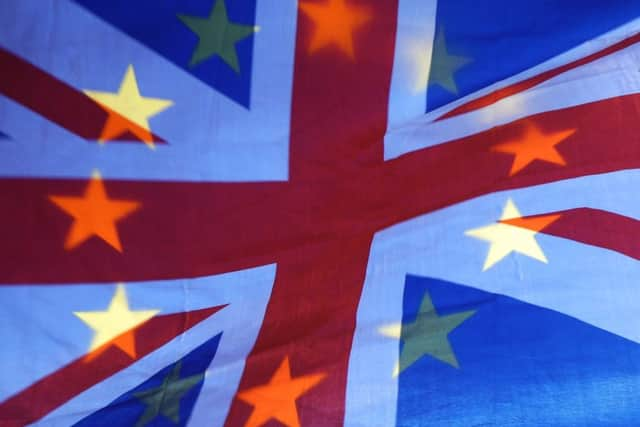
319,213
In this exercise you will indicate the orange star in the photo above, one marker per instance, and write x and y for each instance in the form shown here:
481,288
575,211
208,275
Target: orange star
277,399
533,223
335,23
534,145
94,214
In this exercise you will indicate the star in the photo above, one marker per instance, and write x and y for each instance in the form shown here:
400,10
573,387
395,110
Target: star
335,23
94,214
277,399
115,324
505,238
417,52
128,110
444,65
534,145
217,36
165,399
426,335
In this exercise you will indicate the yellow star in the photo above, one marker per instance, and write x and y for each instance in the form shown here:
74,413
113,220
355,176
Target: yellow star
128,110
419,56
505,238
115,324
444,65
428,334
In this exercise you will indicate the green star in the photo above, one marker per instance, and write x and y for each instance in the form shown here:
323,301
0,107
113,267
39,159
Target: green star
218,36
165,399
444,65
427,334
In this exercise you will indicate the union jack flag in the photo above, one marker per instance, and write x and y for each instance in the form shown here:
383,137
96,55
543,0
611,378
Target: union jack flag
319,213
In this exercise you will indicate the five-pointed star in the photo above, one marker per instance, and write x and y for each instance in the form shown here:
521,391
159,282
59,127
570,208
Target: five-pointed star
426,335
217,36
444,65
420,60
94,214
165,399
277,398
506,238
128,110
335,23
115,324
534,145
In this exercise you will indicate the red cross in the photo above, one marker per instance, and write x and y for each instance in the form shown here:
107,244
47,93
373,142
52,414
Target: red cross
317,226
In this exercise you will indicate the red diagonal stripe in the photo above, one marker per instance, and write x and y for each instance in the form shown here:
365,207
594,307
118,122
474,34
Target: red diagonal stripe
52,391
605,140
594,227
57,101
518,87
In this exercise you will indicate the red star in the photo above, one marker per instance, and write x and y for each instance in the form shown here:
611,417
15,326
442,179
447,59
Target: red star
534,145
94,214
335,22
277,398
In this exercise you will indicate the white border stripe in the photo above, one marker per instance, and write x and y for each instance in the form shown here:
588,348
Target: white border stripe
414,40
